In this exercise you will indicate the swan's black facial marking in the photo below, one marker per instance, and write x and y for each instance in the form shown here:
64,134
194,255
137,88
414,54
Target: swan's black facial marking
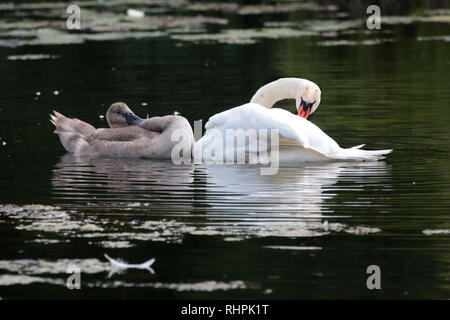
132,119
306,105
305,108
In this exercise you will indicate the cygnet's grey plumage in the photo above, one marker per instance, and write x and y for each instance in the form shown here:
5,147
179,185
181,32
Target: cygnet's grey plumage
149,138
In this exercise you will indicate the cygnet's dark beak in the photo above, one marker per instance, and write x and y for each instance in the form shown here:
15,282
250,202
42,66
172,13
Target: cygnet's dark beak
132,119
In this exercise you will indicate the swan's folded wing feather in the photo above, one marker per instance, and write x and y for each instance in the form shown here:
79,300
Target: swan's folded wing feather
116,134
252,116
157,124
289,127
113,148
216,120
293,130
307,134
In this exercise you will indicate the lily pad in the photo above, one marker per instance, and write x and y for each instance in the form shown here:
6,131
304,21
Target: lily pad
244,36
393,20
284,8
368,42
41,266
96,25
212,6
332,25
110,233
36,56
445,38
430,232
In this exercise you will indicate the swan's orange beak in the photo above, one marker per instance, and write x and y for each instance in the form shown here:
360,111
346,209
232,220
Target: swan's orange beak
304,114
304,109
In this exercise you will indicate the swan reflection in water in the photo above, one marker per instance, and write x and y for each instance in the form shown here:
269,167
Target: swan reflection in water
233,197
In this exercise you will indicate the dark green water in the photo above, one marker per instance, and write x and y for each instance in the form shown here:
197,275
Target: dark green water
217,226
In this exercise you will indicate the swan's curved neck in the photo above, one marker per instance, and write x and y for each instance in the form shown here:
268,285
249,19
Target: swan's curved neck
284,88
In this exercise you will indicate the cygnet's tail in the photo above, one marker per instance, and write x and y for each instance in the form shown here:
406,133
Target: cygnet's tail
357,154
72,132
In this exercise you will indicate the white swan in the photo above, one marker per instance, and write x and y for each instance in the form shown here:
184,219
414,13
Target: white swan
299,139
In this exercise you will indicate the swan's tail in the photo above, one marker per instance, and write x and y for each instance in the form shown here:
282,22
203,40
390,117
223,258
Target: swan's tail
71,132
357,154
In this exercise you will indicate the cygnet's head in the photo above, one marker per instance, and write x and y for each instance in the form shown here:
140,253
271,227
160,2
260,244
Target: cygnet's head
119,115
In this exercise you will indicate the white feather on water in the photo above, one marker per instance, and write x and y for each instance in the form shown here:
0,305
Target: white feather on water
135,13
118,265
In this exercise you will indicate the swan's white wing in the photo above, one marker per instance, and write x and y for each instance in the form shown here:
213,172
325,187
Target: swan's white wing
294,130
